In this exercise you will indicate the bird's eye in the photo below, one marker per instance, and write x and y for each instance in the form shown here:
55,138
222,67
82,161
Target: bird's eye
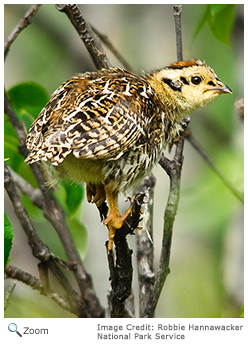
196,80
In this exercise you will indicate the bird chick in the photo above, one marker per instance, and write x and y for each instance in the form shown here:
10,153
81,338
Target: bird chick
108,128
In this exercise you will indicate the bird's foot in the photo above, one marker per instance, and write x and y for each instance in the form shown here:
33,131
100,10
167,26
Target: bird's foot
95,194
114,222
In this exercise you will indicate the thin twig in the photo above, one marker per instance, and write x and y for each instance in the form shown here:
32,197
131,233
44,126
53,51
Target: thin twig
115,52
177,9
26,20
19,128
212,165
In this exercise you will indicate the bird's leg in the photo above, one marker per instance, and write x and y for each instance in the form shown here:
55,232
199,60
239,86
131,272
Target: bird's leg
89,192
100,195
95,194
115,219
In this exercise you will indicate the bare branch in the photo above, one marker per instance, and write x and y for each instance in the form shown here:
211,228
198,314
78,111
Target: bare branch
22,276
26,20
145,248
35,195
121,270
87,35
39,249
114,51
19,128
177,9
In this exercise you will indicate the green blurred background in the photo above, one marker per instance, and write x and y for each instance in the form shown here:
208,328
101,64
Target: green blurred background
206,277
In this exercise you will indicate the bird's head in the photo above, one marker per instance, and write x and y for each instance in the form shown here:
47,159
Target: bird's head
186,86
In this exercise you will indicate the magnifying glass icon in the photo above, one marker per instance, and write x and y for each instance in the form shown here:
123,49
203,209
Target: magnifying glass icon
13,328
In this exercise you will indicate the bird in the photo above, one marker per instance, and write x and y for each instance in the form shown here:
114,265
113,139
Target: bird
108,128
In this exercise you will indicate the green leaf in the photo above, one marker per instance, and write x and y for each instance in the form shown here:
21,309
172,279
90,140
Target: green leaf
14,159
79,233
220,18
27,100
70,197
74,196
216,8
8,238
242,312
11,144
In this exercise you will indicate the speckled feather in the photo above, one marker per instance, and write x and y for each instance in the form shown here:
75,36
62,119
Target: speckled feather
112,116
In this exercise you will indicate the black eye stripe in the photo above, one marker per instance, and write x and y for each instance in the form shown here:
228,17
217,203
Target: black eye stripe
172,84
184,80
211,83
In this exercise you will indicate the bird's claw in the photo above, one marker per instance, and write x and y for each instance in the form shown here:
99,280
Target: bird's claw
114,222
95,194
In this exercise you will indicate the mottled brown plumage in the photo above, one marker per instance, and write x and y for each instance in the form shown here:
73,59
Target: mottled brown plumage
108,128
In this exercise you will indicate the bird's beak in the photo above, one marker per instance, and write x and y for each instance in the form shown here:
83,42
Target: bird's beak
220,89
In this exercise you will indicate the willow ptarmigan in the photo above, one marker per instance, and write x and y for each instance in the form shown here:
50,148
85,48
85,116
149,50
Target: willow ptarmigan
108,128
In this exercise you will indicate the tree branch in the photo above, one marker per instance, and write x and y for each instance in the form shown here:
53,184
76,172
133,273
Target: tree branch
121,270
87,35
34,194
26,20
177,9
145,248
22,276
39,249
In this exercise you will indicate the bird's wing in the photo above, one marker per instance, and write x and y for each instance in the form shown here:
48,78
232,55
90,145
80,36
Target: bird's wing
92,123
